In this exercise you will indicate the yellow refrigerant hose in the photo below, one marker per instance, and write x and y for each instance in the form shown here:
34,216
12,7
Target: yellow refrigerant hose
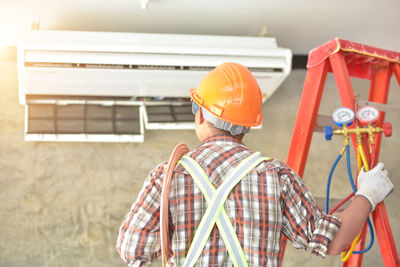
360,158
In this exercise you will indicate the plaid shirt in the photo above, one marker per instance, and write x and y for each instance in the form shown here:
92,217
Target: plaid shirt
270,201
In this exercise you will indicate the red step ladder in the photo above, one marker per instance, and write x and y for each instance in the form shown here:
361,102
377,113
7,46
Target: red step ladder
346,59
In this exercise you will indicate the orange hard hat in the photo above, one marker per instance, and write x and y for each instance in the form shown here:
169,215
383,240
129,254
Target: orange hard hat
231,93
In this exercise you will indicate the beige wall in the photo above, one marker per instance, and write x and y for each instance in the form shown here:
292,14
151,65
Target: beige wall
61,204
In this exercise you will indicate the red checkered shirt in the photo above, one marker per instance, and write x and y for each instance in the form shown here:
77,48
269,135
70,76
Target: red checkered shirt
270,201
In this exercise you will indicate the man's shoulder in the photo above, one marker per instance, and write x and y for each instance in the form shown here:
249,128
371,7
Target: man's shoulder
271,164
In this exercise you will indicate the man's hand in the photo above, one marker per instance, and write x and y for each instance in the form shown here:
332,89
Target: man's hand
374,185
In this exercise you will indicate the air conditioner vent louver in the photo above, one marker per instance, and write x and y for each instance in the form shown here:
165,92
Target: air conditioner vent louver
139,67
80,120
83,119
169,113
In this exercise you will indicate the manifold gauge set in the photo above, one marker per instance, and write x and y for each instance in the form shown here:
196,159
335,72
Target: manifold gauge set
365,115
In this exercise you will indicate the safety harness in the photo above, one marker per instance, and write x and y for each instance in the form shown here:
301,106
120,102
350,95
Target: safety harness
215,212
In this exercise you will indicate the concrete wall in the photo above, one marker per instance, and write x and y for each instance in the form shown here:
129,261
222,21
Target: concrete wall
61,204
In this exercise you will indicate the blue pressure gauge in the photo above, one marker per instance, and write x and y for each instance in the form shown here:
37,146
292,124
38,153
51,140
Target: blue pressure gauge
343,116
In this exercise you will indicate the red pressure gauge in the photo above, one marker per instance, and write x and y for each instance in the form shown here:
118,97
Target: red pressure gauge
367,115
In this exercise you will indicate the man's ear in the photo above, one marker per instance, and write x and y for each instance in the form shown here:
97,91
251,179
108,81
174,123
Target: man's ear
201,118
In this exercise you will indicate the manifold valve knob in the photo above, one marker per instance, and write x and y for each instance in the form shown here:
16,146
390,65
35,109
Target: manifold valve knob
328,132
387,129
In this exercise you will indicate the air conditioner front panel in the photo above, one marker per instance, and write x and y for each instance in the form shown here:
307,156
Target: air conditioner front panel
98,82
130,83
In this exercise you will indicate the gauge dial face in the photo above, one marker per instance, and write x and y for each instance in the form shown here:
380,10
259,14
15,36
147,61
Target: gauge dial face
343,116
367,115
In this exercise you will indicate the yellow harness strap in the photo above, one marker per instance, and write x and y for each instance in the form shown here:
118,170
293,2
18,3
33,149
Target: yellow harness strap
215,212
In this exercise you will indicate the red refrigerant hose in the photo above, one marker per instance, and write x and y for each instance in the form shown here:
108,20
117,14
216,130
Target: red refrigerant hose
166,249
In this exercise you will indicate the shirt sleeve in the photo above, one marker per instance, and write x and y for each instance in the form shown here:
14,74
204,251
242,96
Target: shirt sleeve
139,235
304,224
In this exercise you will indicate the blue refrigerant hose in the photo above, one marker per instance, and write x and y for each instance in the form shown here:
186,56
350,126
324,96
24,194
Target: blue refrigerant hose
371,230
328,184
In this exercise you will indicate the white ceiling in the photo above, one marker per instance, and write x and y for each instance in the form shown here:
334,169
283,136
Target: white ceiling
299,25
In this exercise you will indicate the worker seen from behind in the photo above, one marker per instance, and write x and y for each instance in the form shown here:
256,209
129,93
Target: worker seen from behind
262,198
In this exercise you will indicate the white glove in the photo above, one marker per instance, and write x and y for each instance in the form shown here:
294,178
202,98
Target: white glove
374,185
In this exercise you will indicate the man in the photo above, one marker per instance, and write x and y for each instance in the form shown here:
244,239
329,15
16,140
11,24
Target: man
267,200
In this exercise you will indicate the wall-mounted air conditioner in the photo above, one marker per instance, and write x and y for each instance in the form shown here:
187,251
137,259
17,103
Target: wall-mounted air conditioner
155,71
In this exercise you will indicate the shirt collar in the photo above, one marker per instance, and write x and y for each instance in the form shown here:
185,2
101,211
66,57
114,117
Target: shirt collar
221,138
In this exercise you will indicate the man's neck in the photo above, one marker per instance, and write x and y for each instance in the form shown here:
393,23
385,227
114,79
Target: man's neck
226,137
